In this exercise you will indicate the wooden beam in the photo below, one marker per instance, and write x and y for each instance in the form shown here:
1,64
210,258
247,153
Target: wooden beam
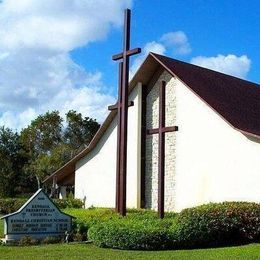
122,107
128,53
115,106
163,129
120,67
143,146
123,143
161,164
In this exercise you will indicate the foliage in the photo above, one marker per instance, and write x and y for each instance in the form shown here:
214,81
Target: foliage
214,224
51,240
87,218
218,224
10,205
39,139
79,130
49,144
45,164
11,161
78,237
28,241
68,203
26,158
43,134
132,234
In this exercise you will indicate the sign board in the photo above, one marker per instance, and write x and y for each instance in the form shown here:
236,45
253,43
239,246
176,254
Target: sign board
39,217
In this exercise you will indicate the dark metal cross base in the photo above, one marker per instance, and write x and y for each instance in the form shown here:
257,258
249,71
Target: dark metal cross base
161,130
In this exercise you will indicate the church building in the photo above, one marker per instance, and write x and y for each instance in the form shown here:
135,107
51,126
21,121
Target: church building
212,156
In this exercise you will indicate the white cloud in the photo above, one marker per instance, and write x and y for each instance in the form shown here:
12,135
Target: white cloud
229,64
149,47
37,73
32,84
178,41
57,25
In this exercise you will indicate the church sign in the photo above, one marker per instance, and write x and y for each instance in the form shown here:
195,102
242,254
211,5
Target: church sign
39,217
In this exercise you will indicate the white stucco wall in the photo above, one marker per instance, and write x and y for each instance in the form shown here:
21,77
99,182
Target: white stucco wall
96,173
214,162
206,160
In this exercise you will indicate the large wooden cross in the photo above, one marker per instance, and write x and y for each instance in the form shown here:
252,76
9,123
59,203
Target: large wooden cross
122,110
161,130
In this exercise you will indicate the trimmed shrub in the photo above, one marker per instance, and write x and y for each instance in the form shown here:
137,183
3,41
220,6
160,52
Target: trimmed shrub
68,203
132,234
218,224
86,218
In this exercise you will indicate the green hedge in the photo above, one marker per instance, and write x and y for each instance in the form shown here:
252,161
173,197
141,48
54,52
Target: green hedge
132,234
10,205
214,224
87,218
218,224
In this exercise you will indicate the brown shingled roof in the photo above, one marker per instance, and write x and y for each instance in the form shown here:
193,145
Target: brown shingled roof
237,101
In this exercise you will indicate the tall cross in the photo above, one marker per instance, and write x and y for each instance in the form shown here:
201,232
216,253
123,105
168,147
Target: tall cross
161,130
122,111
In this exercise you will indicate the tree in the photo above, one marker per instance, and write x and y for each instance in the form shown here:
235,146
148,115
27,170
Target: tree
49,144
44,164
39,139
79,131
43,134
12,160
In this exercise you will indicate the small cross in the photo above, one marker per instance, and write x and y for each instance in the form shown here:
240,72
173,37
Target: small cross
161,130
122,111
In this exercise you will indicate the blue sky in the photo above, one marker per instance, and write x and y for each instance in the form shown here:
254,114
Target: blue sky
212,27
57,54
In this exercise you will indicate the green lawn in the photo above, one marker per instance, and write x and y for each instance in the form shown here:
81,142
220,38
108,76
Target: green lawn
80,251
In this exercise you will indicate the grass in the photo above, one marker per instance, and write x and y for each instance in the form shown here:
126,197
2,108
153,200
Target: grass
89,251
82,251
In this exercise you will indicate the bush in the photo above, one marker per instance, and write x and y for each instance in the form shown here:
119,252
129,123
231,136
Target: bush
51,240
86,218
218,224
68,203
132,234
78,237
10,205
28,241
214,224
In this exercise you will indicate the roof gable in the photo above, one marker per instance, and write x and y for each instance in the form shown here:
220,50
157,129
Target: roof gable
237,101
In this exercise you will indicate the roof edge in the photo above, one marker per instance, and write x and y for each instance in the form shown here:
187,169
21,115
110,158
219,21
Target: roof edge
132,84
